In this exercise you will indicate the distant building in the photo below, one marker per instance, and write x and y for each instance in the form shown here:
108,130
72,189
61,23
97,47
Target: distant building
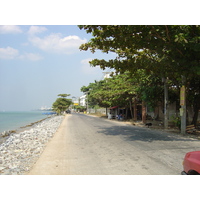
83,100
106,75
45,108
75,101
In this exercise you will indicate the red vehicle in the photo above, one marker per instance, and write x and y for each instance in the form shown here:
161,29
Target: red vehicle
191,163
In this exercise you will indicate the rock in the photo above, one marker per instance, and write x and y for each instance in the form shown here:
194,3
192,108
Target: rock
21,150
2,168
5,133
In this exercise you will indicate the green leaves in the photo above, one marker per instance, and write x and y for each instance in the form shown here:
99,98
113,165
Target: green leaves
148,53
61,104
146,47
63,95
180,38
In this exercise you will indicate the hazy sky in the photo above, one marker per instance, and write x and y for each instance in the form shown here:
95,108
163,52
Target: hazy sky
39,62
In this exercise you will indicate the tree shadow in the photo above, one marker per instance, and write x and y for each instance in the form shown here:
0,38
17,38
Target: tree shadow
141,134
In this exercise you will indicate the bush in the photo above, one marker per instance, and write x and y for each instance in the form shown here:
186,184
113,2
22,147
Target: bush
177,121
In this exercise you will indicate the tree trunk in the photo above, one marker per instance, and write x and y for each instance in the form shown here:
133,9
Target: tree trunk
143,112
166,112
196,110
135,110
126,113
131,109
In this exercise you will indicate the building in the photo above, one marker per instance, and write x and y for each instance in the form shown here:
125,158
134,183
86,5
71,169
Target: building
83,100
106,75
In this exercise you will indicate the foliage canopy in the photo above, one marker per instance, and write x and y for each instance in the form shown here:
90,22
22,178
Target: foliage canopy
170,51
61,103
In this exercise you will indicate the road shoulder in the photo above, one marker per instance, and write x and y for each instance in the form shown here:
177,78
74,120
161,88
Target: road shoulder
53,159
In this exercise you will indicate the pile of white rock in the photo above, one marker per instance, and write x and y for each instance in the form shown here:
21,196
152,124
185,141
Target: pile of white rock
21,150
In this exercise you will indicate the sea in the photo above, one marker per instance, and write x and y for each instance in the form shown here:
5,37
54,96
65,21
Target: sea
15,120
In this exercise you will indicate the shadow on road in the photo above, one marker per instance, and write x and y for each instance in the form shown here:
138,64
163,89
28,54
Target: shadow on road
141,134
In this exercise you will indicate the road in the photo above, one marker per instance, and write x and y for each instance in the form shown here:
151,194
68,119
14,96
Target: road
87,145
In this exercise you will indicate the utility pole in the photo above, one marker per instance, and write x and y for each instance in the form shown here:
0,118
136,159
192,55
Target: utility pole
87,103
183,106
166,112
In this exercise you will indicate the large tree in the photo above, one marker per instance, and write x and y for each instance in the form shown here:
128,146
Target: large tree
167,51
171,50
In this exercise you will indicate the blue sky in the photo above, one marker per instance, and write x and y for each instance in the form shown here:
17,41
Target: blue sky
39,62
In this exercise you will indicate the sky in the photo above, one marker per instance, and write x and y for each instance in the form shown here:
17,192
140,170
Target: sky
39,62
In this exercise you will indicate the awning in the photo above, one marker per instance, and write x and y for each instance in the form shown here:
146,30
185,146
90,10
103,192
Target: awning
113,107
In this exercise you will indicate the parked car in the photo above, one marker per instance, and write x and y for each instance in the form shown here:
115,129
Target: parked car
191,163
68,111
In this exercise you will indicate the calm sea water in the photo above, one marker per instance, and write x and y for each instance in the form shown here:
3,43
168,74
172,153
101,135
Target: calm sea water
14,120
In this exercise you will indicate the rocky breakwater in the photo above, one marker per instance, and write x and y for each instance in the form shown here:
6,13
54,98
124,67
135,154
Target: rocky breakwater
21,150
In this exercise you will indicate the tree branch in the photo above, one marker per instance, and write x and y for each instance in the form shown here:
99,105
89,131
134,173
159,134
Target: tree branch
167,30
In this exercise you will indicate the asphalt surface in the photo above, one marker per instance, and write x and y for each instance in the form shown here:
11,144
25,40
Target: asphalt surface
87,145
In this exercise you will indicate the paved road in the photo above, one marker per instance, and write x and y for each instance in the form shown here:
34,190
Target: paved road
91,145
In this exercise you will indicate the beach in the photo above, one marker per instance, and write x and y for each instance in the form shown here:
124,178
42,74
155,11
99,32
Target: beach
20,150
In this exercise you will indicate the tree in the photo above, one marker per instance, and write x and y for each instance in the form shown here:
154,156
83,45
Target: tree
61,104
80,108
168,51
194,97
63,95
123,89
